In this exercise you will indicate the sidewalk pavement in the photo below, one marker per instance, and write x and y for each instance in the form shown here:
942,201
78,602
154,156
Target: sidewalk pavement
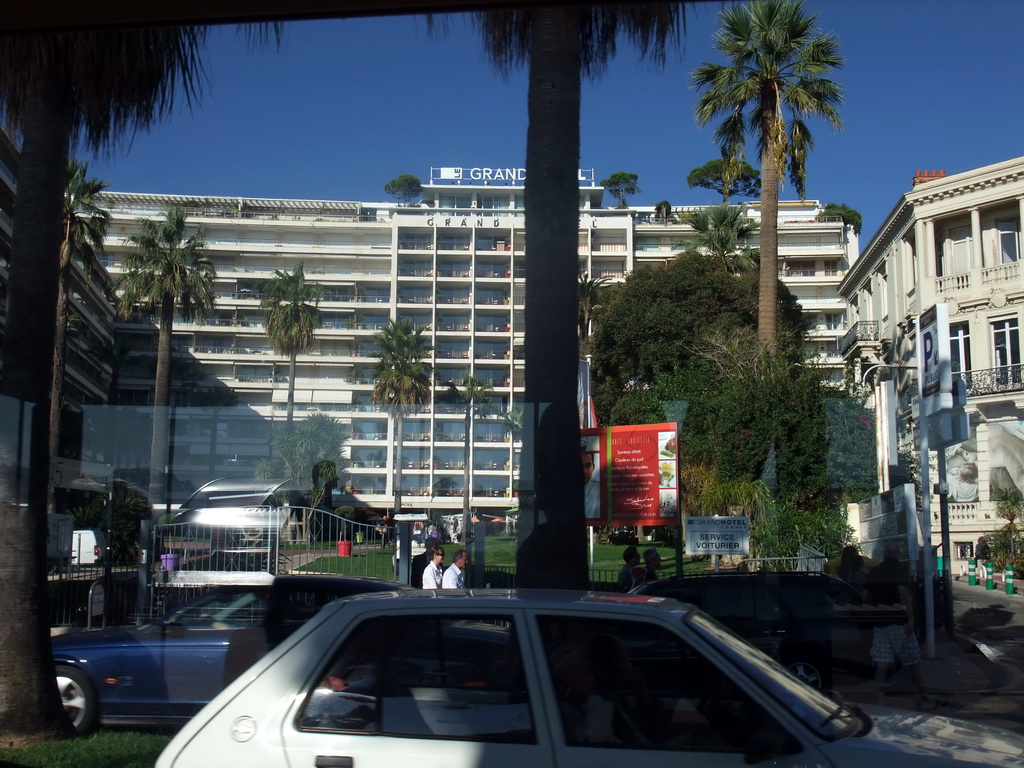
964,667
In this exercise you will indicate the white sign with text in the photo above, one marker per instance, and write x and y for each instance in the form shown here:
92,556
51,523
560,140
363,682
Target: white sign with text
718,535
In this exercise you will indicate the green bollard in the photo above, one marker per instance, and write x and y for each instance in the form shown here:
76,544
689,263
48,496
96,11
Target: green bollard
1008,579
989,582
972,572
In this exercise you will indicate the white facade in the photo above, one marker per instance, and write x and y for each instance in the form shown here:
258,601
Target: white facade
454,265
955,240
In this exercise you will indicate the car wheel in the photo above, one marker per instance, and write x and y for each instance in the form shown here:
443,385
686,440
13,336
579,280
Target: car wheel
78,697
810,670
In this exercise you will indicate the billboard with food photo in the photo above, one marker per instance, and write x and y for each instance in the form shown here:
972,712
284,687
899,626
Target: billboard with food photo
631,475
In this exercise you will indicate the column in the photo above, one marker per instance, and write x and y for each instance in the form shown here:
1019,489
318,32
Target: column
997,257
977,252
926,264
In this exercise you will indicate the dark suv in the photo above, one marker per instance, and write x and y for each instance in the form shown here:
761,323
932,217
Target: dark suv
810,622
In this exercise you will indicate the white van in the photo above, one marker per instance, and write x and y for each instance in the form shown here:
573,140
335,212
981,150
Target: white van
88,546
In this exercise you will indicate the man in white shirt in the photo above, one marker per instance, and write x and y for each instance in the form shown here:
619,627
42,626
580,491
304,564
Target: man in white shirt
453,575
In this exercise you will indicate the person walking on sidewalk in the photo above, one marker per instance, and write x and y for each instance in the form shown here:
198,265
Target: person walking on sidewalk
887,584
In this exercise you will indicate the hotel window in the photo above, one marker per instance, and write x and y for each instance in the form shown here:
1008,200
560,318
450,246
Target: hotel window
494,201
957,259
1006,349
455,201
834,321
960,347
1009,247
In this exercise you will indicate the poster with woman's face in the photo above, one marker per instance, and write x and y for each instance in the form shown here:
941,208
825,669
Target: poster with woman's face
1006,455
962,471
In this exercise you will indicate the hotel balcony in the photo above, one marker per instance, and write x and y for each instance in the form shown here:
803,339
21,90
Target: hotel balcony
862,340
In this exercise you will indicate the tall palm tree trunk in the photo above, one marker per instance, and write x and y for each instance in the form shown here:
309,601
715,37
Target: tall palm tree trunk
768,279
291,388
399,429
59,350
161,401
30,708
467,491
553,553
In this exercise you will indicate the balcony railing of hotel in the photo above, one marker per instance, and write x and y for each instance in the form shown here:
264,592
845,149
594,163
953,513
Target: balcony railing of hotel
862,330
994,275
810,272
990,381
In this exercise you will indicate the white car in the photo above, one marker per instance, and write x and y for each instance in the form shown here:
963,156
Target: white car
530,679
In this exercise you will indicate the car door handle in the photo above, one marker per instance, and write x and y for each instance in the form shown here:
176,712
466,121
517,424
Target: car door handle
333,761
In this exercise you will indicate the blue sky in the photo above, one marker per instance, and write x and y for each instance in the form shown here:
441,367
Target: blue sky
347,105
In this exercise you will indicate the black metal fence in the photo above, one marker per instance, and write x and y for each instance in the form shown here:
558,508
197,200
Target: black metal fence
190,558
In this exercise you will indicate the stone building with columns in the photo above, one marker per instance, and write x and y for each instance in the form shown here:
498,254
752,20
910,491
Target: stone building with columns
953,239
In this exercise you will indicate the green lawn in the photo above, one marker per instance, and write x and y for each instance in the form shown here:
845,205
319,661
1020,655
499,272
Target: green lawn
104,749
500,552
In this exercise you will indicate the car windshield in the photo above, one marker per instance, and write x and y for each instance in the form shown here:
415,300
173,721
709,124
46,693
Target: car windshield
821,714
222,610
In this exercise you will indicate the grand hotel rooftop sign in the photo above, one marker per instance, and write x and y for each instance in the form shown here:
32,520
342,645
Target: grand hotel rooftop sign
505,177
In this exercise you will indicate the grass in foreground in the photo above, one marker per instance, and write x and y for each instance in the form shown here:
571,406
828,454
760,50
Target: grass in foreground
104,749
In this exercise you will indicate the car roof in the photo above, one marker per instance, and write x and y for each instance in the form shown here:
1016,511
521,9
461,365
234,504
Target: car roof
525,598
326,581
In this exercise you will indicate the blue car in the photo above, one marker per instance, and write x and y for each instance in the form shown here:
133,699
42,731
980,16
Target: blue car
163,672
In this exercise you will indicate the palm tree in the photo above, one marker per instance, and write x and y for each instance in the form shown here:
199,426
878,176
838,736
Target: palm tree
166,272
663,212
475,395
561,44
310,451
777,59
722,231
83,227
403,381
292,319
589,292
1010,507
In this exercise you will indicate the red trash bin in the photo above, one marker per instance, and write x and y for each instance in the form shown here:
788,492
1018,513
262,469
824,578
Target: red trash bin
344,549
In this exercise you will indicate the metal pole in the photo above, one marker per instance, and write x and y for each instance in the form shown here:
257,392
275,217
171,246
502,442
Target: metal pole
926,532
947,555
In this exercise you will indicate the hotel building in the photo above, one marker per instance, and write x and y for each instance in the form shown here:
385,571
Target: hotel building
453,264
954,240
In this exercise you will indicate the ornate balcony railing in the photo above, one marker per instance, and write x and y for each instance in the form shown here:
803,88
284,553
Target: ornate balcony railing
990,381
862,330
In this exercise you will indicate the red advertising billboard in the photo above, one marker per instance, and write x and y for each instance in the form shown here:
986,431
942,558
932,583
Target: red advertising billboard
631,475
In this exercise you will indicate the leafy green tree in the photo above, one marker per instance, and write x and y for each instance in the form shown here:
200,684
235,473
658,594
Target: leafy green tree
83,226
95,87
777,62
851,465
166,272
310,451
783,528
588,297
686,332
404,188
403,381
850,216
560,45
649,327
729,178
722,232
621,185
292,318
